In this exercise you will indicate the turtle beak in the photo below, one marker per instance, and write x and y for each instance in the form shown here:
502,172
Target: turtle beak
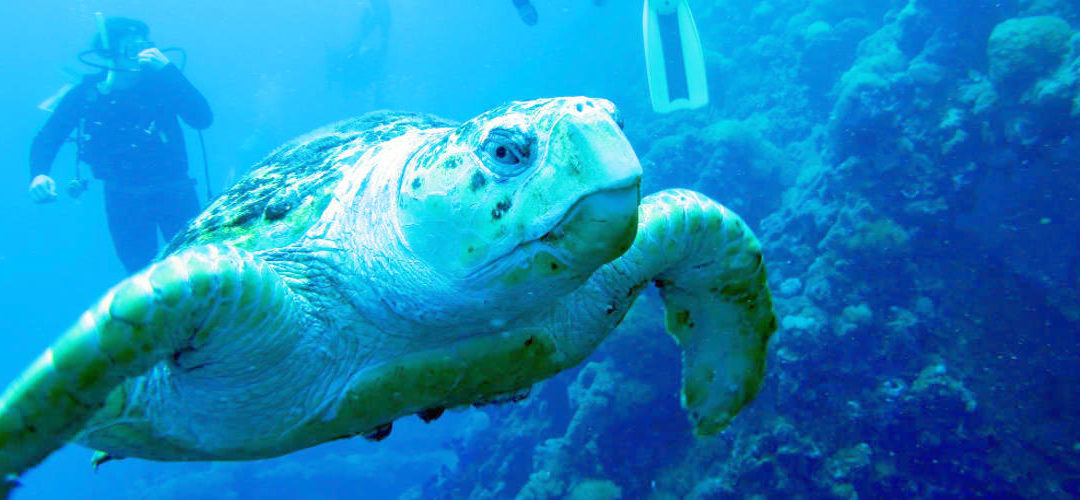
594,132
602,223
598,229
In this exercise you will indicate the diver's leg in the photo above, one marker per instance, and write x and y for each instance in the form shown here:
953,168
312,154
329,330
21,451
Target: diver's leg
177,208
526,11
131,225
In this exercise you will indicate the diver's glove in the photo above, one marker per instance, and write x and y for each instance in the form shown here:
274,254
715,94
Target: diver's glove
152,58
42,189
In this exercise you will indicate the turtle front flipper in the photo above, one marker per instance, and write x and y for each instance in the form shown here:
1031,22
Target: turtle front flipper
172,306
7,484
708,267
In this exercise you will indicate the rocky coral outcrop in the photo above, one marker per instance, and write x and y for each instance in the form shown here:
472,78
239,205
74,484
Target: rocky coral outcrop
601,398
896,159
1023,50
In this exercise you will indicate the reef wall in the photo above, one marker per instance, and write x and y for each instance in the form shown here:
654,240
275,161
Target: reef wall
912,168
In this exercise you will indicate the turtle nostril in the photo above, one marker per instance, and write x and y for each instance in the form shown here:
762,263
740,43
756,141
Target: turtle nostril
613,111
579,107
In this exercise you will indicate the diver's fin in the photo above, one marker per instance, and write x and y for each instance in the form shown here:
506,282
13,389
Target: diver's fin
49,104
674,59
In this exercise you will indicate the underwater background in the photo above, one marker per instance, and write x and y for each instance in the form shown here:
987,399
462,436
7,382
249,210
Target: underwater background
911,166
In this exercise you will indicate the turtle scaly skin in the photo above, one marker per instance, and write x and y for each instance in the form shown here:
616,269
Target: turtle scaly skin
390,265
709,269
144,321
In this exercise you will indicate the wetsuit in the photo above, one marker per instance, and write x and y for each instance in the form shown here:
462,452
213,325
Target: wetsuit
131,139
526,11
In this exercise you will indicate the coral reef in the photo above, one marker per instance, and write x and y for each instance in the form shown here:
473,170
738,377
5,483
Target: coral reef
910,167
600,399
1022,50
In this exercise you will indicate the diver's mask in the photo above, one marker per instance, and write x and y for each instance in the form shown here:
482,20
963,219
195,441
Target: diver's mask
132,50
114,55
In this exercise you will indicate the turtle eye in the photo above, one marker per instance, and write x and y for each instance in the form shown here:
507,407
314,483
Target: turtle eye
507,152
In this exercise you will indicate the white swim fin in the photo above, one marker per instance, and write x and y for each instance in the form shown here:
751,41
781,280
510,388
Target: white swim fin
674,59
49,104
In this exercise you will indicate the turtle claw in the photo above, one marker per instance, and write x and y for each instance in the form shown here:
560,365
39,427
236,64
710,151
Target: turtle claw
10,482
431,414
101,457
498,399
380,432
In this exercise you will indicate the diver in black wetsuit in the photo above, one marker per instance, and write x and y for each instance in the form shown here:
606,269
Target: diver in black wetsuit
127,129
528,14
360,65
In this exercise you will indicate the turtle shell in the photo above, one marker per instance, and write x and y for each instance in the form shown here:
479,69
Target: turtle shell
287,192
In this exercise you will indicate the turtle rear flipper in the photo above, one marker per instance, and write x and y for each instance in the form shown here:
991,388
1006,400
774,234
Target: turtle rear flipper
173,306
708,267
8,483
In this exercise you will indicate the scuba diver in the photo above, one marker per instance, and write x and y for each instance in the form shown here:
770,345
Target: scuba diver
527,12
126,130
360,65
674,56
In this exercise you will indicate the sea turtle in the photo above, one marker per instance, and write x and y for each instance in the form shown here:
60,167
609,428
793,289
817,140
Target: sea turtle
393,264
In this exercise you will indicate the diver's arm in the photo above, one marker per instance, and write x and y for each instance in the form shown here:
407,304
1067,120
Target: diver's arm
52,135
190,103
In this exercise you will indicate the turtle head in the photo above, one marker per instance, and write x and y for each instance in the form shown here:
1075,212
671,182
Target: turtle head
537,193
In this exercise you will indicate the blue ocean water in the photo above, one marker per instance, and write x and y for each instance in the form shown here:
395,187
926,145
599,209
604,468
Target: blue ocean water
910,167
